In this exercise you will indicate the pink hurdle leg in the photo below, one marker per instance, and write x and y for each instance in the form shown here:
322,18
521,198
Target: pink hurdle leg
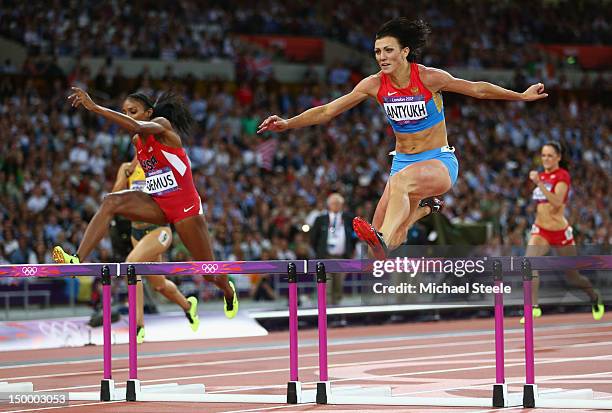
323,384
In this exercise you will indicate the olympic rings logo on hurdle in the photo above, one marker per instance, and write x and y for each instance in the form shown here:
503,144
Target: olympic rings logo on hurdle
29,271
210,268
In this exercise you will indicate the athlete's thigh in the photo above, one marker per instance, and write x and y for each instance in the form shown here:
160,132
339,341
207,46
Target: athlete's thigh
136,206
425,179
566,250
193,231
151,246
381,209
537,246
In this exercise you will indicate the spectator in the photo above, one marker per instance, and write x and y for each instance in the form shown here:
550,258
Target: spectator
332,236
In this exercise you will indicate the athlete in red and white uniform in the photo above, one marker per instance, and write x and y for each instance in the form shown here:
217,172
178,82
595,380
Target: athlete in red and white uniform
549,215
169,196
551,228
168,179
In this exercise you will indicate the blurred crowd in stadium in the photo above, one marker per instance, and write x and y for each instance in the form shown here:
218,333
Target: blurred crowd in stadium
56,163
478,33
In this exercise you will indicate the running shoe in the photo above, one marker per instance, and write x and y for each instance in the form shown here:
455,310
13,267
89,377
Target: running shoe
60,257
370,236
140,335
436,204
192,314
536,311
231,309
598,308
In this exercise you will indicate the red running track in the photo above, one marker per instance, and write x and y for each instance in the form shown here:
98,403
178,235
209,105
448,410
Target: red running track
451,358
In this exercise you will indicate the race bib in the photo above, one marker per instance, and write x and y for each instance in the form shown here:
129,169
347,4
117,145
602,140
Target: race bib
138,185
538,195
161,182
404,109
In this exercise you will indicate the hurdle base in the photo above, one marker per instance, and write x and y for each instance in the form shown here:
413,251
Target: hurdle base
323,391
294,392
382,396
530,393
107,390
196,393
569,399
502,398
132,390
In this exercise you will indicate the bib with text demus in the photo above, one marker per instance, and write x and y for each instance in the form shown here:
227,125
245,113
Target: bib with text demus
161,182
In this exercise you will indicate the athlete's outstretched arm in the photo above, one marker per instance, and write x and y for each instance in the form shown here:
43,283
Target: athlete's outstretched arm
80,97
324,113
440,80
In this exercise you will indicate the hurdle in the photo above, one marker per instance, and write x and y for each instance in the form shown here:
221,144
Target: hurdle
557,398
383,395
105,271
174,392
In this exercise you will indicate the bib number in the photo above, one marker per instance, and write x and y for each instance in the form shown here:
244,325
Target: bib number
161,182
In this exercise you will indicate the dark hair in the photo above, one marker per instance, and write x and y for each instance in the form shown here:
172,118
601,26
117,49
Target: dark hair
170,106
142,98
561,151
409,33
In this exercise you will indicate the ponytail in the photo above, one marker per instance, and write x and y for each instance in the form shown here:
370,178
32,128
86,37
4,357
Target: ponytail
170,106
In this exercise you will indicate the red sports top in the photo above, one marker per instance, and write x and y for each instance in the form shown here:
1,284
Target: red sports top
413,108
167,169
550,181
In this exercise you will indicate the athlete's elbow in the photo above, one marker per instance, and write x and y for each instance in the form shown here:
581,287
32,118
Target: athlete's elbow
325,116
480,91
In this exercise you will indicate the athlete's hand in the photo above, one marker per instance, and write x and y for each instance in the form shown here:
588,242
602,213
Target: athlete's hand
535,92
80,97
274,124
534,176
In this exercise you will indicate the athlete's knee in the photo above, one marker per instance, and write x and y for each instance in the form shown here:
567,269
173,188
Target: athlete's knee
111,202
402,183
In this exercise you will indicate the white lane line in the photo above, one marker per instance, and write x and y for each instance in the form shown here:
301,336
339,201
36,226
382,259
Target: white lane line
378,362
314,343
310,355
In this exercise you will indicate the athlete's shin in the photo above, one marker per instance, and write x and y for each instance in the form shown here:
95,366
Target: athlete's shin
98,227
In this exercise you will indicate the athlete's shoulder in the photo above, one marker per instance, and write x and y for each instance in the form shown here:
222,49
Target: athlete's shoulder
369,85
429,74
564,174
372,81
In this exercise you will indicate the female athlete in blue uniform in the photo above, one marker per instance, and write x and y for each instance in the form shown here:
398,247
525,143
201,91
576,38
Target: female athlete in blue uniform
424,166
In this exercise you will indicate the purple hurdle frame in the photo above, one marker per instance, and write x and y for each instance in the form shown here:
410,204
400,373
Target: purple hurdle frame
499,390
529,390
107,387
215,268
293,386
323,386
132,385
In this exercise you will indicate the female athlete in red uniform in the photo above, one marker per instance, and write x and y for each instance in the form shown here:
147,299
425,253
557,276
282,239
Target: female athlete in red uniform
170,195
551,229
410,94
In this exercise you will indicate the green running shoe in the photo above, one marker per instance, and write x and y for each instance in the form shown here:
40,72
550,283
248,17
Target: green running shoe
60,257
536,311
598,308
231,309
192,314
140,335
